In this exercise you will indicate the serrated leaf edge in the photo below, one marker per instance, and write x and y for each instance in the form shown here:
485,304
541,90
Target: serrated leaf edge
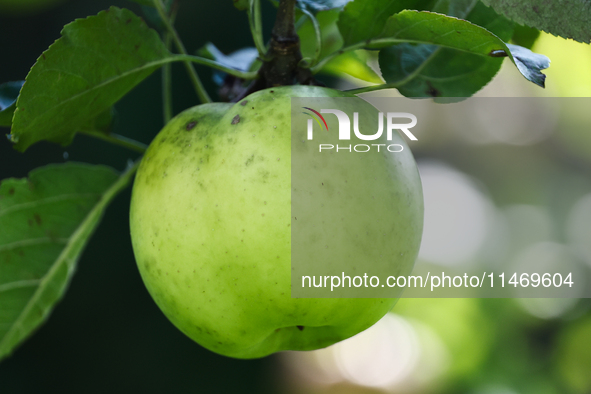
75,246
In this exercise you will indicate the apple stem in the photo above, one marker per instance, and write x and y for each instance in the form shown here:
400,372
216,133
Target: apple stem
281,66
284,29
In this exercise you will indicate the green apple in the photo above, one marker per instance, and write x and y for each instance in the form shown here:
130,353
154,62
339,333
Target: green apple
211,227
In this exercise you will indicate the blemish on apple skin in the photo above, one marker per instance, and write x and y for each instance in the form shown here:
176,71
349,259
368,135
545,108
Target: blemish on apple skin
236,119
191,125
301,328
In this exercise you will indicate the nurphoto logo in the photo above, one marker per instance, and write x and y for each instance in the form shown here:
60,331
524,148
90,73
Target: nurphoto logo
392,123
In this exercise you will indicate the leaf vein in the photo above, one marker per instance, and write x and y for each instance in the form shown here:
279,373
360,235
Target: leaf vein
19,284
47,200
33,242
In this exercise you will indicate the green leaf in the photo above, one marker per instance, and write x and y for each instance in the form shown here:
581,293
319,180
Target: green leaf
103,122
8,95
565,18
437,29
45,223
362,20
353,63
425,70
331,38
414,72
95,63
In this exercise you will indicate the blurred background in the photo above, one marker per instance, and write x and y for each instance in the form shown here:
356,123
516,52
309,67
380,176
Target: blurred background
520,196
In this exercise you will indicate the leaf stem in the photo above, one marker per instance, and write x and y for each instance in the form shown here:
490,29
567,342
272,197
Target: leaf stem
167,109
167,85
317,33
123,181
117,140
200,90
373,88
327,59
377,43
218,66
398,84
256,26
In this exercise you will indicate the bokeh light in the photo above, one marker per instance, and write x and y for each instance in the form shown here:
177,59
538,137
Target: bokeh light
547,257
397,354
514,122
457,215
578,227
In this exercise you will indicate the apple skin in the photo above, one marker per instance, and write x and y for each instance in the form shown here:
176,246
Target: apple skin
210,224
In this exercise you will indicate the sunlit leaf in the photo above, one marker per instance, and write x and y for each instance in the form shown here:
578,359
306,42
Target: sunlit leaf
331,38
426,70
354,64
437,29
361,20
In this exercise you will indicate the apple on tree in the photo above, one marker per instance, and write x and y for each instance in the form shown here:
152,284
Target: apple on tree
213,212
211,227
